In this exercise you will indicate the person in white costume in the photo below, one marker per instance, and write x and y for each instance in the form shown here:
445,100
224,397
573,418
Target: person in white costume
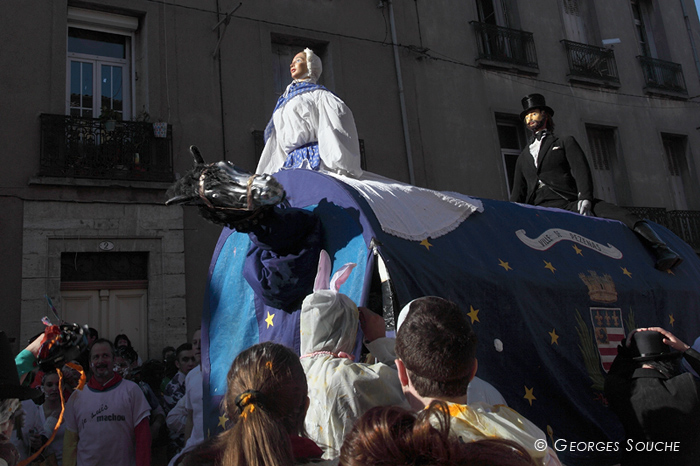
340,389
310,126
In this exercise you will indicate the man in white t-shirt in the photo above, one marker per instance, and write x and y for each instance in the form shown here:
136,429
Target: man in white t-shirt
107,422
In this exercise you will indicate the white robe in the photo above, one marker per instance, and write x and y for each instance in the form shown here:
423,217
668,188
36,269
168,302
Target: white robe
312,116
402,210
340,390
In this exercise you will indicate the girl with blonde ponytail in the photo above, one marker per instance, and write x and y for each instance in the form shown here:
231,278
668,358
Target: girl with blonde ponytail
265,403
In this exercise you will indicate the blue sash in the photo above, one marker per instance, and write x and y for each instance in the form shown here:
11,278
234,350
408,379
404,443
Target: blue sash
306,156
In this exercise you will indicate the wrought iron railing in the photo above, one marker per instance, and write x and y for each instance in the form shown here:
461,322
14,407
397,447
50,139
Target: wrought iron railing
684,223
94,148
505,45
589,61
663,75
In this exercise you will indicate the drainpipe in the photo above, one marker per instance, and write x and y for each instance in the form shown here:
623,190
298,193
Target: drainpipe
217,57
402,100
690,36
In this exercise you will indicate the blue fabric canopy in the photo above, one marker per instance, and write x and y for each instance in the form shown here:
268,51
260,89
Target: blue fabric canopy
550,294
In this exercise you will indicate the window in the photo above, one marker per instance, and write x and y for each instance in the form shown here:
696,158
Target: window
644,38
574,21
512,140
603,157
99,64
675,148
499,40
493,12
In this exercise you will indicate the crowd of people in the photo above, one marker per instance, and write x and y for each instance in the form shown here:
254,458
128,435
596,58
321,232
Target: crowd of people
104,407
411,405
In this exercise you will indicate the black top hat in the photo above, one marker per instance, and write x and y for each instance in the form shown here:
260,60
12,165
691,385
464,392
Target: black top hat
533,101
649,346
9,381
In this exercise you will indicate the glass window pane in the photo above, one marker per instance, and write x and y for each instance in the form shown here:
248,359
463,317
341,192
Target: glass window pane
117,99
86,85
111,86
81,85
106,86
508,137
97,43
75,87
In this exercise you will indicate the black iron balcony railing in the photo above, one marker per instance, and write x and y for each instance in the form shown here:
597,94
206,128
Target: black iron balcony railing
93,148
684,223
589,61
663,75
505,45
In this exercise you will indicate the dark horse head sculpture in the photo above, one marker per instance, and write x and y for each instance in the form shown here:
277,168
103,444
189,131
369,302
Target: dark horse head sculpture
224,193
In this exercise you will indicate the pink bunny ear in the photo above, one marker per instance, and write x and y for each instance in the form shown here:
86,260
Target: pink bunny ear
323,273
341,276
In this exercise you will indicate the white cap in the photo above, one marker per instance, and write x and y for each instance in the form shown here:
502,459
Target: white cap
313,64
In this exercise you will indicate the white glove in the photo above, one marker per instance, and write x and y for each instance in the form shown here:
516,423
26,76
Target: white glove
584,207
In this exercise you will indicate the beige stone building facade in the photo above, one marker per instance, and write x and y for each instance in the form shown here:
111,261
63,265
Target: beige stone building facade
435,88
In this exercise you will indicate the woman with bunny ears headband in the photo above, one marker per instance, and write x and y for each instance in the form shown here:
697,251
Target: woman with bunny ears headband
340,389
310,126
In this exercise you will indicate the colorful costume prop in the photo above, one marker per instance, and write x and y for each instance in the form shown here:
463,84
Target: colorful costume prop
549,292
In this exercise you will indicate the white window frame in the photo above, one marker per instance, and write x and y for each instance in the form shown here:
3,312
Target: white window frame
112,23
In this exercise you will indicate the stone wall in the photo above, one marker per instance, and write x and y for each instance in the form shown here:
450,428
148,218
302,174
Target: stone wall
51,228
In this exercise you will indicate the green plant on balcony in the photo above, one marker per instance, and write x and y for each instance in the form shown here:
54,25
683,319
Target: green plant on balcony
109,118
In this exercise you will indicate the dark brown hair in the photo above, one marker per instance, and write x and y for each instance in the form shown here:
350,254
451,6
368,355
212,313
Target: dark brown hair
437,345
265,402
390,435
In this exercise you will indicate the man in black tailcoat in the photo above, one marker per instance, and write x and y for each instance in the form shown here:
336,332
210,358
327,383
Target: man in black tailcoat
553,171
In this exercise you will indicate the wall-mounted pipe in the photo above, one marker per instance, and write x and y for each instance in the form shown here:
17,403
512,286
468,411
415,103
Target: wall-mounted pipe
402,100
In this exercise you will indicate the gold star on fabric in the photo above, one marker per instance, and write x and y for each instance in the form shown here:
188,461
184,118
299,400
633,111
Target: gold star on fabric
671,319
473,314
504,265
426,243
222,421
554,336
268,320
548,265
670,272
528,394
578,251
626,272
